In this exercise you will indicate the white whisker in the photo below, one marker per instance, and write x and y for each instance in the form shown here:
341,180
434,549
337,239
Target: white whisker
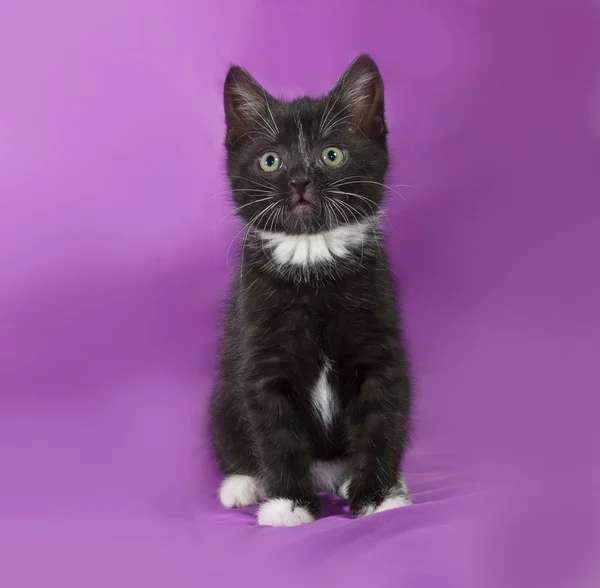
377,207
338,204
348,181
238,208
270,113
263,185
253,220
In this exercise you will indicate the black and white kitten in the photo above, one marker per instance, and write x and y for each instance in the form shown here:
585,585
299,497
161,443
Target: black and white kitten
313,390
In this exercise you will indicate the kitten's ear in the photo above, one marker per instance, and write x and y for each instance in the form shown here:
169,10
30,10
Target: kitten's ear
360,96
246,105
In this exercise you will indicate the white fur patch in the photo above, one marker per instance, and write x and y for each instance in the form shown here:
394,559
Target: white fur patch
302,142
387,504
303,250
323,398
343,491
327,475
238,491
281,512
397,498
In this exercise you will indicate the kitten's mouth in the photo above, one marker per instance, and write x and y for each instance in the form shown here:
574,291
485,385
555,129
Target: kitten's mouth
304,213
303,203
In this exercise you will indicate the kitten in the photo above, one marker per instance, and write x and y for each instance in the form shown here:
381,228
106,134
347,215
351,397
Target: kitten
313,390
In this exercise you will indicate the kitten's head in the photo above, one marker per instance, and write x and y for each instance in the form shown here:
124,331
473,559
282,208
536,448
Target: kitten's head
309,165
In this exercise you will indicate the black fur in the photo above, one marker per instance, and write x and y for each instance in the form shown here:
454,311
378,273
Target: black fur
282,321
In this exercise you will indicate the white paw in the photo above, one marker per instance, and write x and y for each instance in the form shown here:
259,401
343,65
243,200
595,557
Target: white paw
387,504
281,512
238,491
397,497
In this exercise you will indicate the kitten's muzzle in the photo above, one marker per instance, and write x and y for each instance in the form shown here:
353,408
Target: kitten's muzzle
305,199
299,184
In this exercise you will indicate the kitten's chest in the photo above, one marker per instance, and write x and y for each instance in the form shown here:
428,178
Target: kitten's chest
324,394
324,401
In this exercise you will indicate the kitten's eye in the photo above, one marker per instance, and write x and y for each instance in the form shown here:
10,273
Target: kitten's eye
332,156
270,161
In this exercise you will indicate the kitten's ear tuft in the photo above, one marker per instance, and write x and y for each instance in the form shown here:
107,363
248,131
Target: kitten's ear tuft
360,92
246,103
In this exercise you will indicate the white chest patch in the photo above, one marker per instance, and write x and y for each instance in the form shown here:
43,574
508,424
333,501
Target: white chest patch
323,399
303,250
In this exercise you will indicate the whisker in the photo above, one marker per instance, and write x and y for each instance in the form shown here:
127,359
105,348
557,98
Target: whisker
329,108
244,228
354,182
262,184
249,106
255,191
238,208
349,181
327,112
260,214
269,109
268,224
367,219
231,243
336,122
257,133
362,241
336,116
270,218
378,208
253,220
353,210
360,196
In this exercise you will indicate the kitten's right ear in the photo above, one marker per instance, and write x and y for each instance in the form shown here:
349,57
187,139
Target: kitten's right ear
360,95
246,105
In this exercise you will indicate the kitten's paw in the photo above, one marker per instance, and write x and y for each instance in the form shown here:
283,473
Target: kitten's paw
281,512
363,503
238,491
388,504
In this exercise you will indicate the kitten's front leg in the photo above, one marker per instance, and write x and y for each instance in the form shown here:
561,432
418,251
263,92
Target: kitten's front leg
284,455
378,425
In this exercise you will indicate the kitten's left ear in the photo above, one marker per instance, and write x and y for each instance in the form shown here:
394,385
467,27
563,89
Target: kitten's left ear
246,105
360,96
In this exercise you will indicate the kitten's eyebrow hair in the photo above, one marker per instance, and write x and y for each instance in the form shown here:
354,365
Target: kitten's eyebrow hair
301,139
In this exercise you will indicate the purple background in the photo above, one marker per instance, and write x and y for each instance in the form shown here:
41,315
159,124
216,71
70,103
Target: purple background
114,263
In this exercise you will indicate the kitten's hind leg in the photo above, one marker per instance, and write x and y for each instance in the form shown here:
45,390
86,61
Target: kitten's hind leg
238,491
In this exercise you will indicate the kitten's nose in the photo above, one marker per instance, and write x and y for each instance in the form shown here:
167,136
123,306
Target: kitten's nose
300,184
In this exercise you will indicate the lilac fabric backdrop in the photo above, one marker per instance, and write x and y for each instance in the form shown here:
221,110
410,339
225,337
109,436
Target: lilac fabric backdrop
114,263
